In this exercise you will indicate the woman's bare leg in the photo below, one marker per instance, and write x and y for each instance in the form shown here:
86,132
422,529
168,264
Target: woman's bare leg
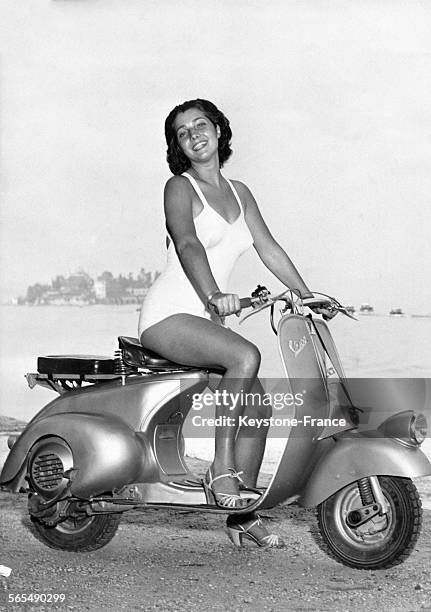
249,450
196,341
251,441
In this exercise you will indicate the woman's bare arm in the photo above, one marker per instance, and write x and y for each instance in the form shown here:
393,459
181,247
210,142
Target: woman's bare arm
270,252
181,228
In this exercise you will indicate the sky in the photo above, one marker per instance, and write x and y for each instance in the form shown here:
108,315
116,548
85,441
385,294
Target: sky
330,108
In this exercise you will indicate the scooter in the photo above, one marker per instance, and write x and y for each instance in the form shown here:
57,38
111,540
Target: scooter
113,442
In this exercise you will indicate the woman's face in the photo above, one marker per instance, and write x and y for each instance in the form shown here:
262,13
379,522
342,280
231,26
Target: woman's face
196,135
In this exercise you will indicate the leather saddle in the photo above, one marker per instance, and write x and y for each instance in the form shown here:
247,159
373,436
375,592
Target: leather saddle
134,356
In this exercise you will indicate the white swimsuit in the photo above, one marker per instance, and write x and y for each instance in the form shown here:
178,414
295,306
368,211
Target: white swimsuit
172,293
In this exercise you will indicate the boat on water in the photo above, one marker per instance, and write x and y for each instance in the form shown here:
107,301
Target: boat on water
366,308
396,311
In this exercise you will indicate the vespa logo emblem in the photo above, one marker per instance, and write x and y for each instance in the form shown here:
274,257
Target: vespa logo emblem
296,346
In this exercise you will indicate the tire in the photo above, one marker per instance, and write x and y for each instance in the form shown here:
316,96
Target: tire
381,542
78,534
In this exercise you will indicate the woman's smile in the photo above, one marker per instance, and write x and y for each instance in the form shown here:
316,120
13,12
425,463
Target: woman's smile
199,145
196,133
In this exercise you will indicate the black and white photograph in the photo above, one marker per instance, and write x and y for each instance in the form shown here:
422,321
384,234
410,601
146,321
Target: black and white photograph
215,305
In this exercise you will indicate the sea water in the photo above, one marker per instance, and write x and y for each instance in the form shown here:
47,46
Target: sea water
374,346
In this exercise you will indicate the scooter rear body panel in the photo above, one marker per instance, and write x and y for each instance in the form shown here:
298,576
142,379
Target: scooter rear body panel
118,434
106,452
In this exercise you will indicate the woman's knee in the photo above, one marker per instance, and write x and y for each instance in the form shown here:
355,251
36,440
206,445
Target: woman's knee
247,360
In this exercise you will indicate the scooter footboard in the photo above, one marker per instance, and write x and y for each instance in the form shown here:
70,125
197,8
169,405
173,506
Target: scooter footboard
350,459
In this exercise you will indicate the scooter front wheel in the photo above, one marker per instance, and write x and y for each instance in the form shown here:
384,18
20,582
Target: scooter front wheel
385,539
78,533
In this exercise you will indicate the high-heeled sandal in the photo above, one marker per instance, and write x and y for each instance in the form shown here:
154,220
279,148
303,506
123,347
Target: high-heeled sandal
256,532
223,500
252,493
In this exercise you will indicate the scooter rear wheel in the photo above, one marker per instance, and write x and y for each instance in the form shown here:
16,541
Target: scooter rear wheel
382,541
78,533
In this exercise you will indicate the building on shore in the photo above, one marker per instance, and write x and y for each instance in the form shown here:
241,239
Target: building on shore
79,289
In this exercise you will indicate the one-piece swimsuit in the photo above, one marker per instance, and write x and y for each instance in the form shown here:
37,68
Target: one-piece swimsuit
224,242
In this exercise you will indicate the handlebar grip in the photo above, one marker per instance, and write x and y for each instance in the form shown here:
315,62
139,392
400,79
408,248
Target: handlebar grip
316,302
245,302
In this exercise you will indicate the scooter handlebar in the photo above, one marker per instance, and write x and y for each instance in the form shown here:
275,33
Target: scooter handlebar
263,300
317,302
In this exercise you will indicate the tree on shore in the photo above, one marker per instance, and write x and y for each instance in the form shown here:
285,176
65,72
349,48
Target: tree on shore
35,292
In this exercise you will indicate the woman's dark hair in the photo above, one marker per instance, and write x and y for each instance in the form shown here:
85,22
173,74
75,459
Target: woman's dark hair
177,160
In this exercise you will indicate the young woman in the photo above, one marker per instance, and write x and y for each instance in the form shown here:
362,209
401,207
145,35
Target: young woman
211,221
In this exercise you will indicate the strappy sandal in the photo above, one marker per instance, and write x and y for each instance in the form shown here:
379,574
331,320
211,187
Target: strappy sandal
223,500
251,494
256,532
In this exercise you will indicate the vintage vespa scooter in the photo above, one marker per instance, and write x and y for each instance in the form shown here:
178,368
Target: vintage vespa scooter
113,441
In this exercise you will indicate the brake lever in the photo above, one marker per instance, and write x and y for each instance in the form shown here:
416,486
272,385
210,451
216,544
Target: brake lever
333,305
270,300
345,312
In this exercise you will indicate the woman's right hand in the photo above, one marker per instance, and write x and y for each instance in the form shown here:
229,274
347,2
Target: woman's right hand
224,304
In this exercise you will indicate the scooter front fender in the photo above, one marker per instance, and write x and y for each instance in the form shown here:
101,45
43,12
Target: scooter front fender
352,458
106,452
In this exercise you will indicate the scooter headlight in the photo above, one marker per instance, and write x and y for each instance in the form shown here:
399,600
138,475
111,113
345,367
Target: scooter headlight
418,428
407,427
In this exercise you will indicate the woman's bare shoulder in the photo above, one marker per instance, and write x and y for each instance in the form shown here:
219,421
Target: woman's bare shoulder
178,188
176,182
244,193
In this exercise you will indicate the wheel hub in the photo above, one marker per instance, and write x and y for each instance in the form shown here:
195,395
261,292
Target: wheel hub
361,525
359,516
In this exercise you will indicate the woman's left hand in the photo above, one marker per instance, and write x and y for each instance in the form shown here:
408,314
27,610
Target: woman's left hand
327,311
322,306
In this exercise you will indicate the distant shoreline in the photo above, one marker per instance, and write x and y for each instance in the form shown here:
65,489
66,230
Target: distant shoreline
72,305
9,425
138,303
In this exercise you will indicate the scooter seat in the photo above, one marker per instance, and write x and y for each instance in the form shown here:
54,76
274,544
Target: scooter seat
84,365
137,356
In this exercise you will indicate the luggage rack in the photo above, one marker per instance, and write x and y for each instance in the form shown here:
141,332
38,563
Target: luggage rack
62,382
63,373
